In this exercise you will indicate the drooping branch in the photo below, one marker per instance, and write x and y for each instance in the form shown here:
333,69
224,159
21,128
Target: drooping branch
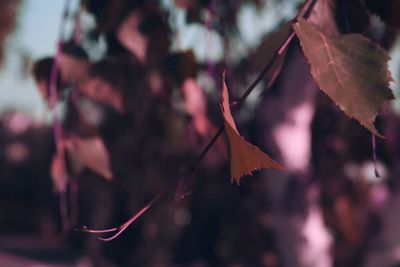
180,188
123,226
304,12
57,127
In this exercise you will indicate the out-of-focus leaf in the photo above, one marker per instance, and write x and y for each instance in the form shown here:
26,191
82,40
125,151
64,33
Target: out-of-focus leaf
8,15
268,48
244,157
350,69
387,10
91,153
59,172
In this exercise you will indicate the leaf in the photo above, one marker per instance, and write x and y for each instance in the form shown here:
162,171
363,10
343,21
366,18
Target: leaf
245,157
350,69
91,153
265,52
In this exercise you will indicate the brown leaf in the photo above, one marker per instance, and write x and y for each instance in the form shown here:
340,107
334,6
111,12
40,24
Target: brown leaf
244,157
350,69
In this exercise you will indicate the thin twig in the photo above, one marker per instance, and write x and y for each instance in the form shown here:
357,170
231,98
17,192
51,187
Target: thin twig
57,127
123,226
374,157
183,181
304,12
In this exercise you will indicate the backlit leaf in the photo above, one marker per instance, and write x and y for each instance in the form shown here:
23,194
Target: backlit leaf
244,157
350,69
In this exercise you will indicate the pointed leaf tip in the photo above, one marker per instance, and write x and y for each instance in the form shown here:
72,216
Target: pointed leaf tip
245,158
350,69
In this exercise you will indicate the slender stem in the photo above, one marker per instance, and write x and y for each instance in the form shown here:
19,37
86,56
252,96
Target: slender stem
305,12
374,157
57,127
203,153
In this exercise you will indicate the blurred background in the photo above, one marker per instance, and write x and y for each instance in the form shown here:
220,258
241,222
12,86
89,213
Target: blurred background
103,104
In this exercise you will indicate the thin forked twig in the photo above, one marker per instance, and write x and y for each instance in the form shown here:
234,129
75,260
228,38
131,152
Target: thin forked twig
304,12
123,226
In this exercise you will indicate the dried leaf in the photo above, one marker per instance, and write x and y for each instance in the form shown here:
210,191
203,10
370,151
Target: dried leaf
350,69
244,157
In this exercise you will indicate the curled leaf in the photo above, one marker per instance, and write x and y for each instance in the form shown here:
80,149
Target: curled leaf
244,157
350,69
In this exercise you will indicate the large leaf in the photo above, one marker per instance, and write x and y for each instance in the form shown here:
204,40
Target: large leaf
244,157
350,69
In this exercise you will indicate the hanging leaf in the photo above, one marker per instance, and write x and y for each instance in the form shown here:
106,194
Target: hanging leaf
350,69
90,153
267,49
244,157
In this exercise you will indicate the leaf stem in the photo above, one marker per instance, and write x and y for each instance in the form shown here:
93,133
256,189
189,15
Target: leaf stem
57,127
305,12
182,182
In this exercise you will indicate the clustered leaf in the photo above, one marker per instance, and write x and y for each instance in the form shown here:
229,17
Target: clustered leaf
244,157
350,69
